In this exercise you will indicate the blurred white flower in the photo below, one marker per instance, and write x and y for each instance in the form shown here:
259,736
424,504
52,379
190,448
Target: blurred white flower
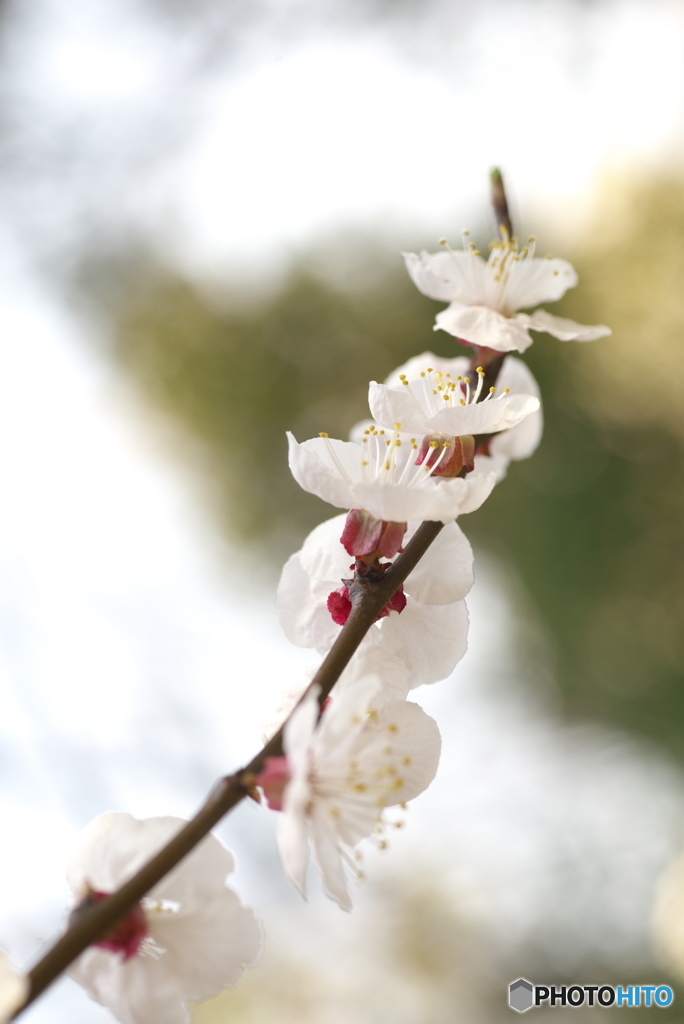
14,989
368,661
381,477
343,774
429,636
189,938
485,295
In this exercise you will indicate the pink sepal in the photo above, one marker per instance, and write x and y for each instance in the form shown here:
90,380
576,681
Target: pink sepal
272,781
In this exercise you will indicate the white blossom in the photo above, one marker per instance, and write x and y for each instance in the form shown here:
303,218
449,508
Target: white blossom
513,442
189,938
382,478
429,636
485,296
434,395
343,774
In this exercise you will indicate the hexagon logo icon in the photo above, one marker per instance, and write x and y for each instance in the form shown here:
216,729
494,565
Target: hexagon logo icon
521,995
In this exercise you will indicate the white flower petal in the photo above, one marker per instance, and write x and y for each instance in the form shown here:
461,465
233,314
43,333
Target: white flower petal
480,325
209,948
418,743
389,406
293,838
135,991
315,470
326,848
323,555
445,574
299,730
368,664
446,275
484,417
197,877
564,330
441,500
302,610
112,847
536,279
293,830
429,639
493,463
521,441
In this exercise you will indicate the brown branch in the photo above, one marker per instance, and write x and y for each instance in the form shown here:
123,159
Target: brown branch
95,920
499,201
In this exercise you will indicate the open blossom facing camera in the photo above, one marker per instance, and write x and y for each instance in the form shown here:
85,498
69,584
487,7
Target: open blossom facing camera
186,940
485,296
342,775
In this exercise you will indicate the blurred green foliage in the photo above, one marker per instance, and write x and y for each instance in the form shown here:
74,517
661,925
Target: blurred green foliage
592,523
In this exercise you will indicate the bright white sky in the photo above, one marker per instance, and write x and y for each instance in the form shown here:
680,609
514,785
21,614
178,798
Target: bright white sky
119,638
311,120
343,131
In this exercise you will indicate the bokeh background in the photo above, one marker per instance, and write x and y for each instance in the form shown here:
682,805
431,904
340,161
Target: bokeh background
203,209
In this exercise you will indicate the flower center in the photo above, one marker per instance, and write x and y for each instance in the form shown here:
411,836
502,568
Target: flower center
435,390
339,602
127,935
387,459
493,284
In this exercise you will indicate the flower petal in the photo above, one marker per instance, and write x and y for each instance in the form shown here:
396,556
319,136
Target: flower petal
416,737
484,417
429,639
540,279
293,830
322,554
136,991
521,441
440,500
327,854
448,275
112,847
480,325
452,554
564,330
389,406
313,466
209,948
302,610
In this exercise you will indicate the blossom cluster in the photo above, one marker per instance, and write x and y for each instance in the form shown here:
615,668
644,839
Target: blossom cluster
441,435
